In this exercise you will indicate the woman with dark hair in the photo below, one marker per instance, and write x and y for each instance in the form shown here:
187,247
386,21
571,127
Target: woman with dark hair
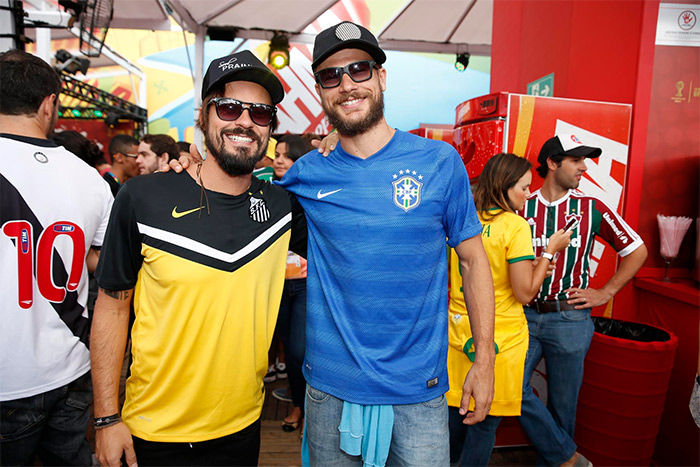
86,149
291,321
501,190
292,148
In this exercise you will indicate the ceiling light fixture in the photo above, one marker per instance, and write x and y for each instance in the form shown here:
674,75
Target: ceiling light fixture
462,61
279,52
70,63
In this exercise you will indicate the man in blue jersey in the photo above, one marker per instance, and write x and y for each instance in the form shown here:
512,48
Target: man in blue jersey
379,208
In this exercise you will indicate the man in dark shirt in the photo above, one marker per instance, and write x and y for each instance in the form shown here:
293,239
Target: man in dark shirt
123,149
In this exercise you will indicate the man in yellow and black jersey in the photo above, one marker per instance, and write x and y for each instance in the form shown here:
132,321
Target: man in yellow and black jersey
203,253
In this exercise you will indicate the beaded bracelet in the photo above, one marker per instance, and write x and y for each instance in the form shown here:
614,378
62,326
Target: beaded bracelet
104,422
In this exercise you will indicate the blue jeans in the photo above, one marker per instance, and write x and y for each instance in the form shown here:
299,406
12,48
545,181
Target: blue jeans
291,325
471,444
51,425
563,338
420,435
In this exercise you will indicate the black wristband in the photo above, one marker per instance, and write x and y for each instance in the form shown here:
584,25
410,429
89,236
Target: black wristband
103,422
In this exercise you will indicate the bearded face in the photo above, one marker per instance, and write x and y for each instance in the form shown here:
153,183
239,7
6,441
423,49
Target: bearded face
237,145
235,159
353,108
355,125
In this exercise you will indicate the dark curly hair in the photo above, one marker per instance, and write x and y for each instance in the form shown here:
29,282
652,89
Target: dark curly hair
86,149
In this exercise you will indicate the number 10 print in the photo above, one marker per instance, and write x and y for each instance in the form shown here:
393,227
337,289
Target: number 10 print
21,233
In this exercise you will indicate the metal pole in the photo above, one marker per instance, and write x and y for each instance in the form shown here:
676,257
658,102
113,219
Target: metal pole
198,72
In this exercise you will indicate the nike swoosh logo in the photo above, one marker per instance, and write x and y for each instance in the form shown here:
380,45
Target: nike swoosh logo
320,195
177,215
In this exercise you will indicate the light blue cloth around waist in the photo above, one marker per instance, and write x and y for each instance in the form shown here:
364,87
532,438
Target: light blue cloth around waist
365,430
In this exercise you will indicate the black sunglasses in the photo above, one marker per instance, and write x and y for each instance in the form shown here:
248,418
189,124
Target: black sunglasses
229,109
357,71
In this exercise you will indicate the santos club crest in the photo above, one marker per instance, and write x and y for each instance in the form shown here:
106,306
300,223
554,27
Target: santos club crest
258,210
407,191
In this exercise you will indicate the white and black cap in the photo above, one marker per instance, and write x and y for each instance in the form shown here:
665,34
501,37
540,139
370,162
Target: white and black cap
346,35
566,145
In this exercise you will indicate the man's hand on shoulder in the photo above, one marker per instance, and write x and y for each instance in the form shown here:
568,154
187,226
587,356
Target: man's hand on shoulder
112,442
327,144
185,161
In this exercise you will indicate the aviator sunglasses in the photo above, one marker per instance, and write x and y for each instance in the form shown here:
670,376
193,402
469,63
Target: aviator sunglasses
357,71
229,109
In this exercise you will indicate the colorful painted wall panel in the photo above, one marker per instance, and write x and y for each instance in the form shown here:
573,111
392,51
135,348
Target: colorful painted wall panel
422,88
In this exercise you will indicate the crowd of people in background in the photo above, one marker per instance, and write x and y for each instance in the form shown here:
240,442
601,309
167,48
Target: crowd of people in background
128,156
342,255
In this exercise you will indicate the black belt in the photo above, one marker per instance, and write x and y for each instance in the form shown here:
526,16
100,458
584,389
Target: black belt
552,306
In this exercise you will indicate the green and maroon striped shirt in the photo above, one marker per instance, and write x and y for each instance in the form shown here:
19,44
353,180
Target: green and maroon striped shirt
594,218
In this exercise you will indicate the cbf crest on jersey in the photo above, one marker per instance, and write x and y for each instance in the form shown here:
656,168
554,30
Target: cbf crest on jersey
407,189
258,210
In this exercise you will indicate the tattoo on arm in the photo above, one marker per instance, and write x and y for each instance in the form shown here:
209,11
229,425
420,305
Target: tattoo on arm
117,294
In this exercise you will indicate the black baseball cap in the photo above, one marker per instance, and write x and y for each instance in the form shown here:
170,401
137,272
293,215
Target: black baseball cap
242,66
346,35
574,148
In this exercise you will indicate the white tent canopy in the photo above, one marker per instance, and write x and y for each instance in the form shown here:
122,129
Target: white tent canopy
443,26
440,26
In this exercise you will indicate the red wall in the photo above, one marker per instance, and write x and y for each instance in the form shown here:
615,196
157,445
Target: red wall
592,47
597,50
604,50
672,162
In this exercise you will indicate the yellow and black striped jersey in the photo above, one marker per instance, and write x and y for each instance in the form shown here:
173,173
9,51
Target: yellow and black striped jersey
208,280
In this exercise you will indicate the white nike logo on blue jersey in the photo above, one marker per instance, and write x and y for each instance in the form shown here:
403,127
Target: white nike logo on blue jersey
320,195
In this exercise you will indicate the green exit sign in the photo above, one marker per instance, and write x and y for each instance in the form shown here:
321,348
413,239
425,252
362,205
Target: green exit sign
542,87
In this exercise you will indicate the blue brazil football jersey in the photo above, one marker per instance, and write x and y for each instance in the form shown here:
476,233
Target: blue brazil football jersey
376,328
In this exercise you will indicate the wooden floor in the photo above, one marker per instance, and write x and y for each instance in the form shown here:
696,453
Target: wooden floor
278,447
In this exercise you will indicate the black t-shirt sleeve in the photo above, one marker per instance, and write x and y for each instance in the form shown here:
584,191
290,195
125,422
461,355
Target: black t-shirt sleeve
298,244
113,184
120,257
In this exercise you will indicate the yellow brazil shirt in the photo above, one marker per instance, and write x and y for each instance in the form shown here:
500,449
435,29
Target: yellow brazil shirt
507,240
